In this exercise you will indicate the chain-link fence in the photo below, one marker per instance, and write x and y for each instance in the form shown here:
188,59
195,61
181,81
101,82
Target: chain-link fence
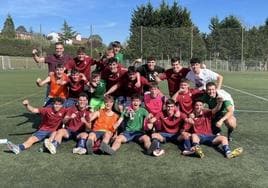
237,49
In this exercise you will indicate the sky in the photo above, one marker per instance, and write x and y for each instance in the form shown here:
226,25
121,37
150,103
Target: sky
111,18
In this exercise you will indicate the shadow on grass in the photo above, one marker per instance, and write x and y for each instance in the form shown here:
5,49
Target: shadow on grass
31,118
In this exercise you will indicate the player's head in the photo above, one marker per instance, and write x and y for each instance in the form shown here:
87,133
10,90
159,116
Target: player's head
175,63
195,64
135,101
95,77
198,106
170,106
132,73
59,70
81,53
57,103
59,49
154,89
184,84
211,89
82,100
113,65
75,75
116,46
151,61
109,102
109,53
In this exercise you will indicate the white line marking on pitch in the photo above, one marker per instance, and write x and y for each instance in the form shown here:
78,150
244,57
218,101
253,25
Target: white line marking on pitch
253,111
19,99
247,93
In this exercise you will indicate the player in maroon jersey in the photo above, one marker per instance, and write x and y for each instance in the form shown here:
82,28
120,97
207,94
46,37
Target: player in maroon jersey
202,131
51,120
173,75
75,121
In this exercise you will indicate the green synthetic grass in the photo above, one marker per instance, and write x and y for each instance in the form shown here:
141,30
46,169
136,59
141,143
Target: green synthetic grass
130,167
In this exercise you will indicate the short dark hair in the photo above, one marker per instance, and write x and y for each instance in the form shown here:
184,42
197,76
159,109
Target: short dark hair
83,94
131,69
151,58
209,84
58,99
175,59
59,65
195,60
94,74
59,43
112,60
81,49
74,71
135,96
153,85
116,44
170,101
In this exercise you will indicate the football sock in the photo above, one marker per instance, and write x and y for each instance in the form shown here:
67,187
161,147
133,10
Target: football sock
226,148
22,147
195,144
55,143
81,143
187,144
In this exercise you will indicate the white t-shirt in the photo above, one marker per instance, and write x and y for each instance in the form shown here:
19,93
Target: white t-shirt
225,95
203,78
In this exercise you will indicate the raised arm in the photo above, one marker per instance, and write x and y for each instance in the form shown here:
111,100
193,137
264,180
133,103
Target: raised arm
29,107
40,82
36,58
112,89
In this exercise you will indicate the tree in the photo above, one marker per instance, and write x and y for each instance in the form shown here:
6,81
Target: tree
95,41
67,32
9,29
162,32
225,38
21,29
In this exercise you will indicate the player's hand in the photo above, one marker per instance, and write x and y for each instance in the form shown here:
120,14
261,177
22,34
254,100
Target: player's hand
138,84
35,51
73,115
177,114
25,102
219,123
190,121
38,81
219,100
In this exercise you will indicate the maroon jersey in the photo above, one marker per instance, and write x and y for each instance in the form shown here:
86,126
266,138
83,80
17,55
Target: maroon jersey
76,125
185,100
75,88
153,105
202,123
174,79
168,124
83,67
112,78
127,86
51,120
53,60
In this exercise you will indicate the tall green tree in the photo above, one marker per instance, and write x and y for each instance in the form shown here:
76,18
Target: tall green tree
67,32
8,30
163,32
225,39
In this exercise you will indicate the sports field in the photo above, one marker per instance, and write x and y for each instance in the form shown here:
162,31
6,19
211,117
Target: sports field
130,167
